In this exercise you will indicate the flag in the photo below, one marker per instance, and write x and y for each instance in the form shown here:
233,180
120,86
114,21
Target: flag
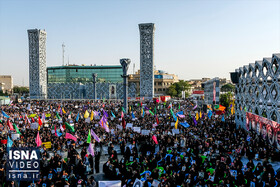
195,122
9,124
132,114
38,140
151,112
113,114
157,120
122,114
123,123
57,115
39,127
232,110
5,115
43,117
155,109
90,150
95,136
223,118
143,113
58,133
63,111
105,114
55,130
123,109
10,142
214,91
77,118
70,136
176,124
155,139
170,105
179,106
17,130
89,137
91,115
221,108
185,124
106,127
61,128
40,121
194,107
86,115
200,116
26,118
69,127
209,114
196,116
181,116
245,109
209,106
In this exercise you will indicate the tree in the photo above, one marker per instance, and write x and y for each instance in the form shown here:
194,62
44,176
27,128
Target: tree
21,90
175,90
228,88
225,99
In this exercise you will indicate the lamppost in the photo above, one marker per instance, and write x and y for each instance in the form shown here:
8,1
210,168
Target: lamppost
94,76
125,63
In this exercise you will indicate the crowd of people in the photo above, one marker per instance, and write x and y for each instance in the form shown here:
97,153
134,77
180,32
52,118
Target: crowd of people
175,150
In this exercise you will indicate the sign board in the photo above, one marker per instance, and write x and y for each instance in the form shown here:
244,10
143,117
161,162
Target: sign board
15,136
145,132
129,125
109,183
34,125
137,129
175,131
48,145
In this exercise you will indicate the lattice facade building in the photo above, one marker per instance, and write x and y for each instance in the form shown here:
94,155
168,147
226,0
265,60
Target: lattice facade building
37,64
146,59
258,90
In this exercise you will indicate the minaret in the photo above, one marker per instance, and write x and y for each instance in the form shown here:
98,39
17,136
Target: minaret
147,59
37,64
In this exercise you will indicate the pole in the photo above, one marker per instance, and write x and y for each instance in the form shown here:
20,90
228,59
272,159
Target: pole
125,64
94,76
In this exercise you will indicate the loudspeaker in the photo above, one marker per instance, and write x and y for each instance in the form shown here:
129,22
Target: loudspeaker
234,77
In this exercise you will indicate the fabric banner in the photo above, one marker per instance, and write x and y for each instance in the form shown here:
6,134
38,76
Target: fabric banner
267,128
109,183
138,183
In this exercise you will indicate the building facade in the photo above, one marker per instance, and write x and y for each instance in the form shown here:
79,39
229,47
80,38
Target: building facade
147,59
37,64
212,91
76,82
257,98
6,84
162,81
83,74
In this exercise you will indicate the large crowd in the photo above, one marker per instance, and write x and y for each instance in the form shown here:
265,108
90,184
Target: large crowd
186,151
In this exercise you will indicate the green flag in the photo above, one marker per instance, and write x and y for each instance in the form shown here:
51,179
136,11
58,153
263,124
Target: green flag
123,109
179,106
57,115
69,127
89,137
151,112
17,130
0,121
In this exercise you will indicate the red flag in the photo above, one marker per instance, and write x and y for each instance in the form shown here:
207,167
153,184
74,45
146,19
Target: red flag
40,121
38,140
33,120
157,120
141,104
64,127
55,130
155,139
9,124
123,123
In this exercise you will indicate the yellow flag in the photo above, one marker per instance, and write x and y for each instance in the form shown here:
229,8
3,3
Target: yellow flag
197,116
91,116
176,124
232,110
63,111
39,127
86,114
200,115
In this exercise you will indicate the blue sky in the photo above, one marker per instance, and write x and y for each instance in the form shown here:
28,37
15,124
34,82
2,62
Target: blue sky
193,39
